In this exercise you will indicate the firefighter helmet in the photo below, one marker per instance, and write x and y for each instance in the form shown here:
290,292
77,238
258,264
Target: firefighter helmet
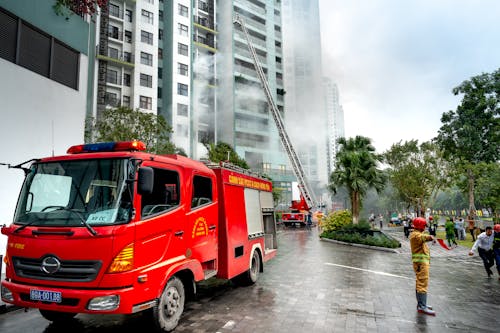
431,218
496,228
419,223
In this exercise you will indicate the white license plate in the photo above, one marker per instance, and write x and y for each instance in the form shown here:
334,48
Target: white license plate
45,296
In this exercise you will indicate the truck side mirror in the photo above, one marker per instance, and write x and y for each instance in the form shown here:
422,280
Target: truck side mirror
145,180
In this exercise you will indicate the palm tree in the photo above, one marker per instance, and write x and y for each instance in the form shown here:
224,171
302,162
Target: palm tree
356,170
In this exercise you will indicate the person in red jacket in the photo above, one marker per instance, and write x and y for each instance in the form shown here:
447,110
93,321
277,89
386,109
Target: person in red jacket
421,258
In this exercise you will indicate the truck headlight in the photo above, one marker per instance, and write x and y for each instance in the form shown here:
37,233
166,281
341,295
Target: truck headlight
104,303
7,294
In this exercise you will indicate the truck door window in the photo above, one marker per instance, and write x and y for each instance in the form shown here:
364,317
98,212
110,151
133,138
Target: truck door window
165,195
202,191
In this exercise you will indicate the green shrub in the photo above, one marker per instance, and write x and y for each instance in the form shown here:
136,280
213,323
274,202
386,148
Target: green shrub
336,220
360,234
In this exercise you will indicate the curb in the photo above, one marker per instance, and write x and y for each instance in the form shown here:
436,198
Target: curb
370,247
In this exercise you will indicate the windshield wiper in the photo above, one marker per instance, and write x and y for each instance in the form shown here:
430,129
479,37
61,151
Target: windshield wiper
77,213
25,225
82,219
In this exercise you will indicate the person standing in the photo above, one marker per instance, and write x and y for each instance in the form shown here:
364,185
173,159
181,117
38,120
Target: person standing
381,221
472,227
450,232
421,258
484,246
496,247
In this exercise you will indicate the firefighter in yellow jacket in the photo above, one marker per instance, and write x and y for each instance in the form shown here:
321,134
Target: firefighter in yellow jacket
421,258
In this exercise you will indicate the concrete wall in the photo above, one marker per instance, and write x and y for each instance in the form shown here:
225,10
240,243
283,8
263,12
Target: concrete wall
38,116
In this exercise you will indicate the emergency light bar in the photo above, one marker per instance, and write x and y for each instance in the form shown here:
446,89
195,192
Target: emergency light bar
107,147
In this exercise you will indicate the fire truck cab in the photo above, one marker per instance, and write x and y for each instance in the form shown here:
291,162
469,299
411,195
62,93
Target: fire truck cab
108,228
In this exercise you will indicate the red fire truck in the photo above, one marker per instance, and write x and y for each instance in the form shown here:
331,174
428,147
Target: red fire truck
109,228
299,211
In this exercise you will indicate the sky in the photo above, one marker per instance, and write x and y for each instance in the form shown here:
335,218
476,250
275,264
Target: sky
396,61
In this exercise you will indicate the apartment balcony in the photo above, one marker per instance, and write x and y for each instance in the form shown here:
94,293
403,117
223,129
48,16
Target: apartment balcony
256,42
115,12
117,57
205,22
208,43
254,9
245,53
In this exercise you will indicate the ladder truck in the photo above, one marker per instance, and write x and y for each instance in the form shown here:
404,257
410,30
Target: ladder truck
308,200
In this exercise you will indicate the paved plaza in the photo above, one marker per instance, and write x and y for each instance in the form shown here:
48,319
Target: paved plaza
319,286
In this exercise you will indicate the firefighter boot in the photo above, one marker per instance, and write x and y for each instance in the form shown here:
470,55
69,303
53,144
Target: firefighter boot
428,306
422,305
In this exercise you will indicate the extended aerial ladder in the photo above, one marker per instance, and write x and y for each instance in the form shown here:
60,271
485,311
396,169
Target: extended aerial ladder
285,140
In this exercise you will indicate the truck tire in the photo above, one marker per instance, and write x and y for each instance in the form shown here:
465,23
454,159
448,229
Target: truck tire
56,316
251,276
170,305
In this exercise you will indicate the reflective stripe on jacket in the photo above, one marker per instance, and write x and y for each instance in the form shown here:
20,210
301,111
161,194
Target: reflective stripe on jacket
419,250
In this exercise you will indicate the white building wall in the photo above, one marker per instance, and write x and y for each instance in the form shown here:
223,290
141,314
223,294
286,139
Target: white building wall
49,121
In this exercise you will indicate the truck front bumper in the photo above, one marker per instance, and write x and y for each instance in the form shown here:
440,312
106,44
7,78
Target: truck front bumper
116,301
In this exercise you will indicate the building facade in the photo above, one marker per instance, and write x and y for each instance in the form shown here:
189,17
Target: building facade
44,66
306,117
335,120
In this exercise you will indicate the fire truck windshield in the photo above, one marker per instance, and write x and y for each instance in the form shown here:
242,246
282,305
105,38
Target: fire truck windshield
72,193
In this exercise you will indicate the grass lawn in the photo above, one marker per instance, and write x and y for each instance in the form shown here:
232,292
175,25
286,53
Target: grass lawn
467,242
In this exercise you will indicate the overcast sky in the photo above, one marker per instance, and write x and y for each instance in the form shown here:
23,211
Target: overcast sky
396,61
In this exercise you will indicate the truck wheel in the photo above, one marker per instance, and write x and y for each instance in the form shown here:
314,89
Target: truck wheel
56,316
169,308
250,277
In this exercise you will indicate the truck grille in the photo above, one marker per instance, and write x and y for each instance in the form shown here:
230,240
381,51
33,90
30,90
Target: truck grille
69,270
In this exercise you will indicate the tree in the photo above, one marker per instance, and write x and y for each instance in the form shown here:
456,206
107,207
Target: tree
224,152
66,7
417,172
471,134
488,188
124,124
356,169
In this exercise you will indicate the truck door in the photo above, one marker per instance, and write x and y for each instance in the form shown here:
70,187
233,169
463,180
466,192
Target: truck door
161,231
202,221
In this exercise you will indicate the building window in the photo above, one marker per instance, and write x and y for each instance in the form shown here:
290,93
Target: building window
182,89
183,11
182,130
112,76
146,80
128,15
146,37
160,14
160,53
160,34
183,29
111,99
128,36
145,102
151,1
159,92
182,69
127,56
146,59
114,10
114,32
36,51
182,49
160,72
147,17
113,53
126,79
182,110
126,101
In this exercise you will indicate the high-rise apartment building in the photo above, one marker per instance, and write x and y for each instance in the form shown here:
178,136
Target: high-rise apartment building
335,120
306,117
244,120
188,61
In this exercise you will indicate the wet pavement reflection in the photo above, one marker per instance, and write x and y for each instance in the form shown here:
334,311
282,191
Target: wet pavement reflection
318,286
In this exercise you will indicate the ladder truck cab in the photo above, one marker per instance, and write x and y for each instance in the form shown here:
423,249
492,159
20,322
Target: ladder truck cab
111,229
